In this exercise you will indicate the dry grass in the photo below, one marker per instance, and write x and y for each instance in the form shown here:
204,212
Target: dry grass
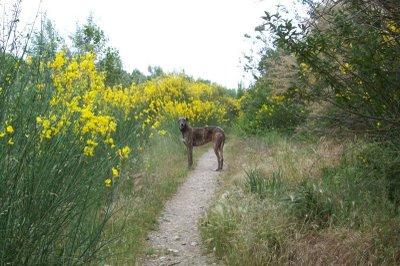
244,228
295,160
332,246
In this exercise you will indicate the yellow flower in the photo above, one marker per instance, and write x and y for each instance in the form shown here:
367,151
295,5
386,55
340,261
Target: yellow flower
115,172
10,142
9,130
91,142
29,59
124,152
47,134
109,141
59,60
2,134
40,86
108,182
88,151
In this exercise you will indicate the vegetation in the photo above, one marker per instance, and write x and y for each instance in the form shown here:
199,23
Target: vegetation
73,135
327,192
305,201
89,152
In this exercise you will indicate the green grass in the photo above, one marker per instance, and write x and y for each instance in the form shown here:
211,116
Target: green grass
306,201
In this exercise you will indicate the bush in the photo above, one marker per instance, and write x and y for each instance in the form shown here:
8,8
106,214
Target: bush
347,53
66,139
263,111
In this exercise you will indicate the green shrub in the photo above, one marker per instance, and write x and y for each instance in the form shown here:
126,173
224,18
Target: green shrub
348,57
263,111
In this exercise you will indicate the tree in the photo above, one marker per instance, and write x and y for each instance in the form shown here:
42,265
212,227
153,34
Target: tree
113,70
89,38
349,52
138,77
155,71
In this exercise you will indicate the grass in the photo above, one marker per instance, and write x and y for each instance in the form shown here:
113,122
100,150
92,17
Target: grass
306,201
142,199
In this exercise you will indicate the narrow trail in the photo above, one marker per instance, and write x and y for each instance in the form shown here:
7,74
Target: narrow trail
177,241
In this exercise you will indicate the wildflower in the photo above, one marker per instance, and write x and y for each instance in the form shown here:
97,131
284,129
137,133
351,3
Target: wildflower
47,134
40,86
29,59
108,182
115,172
10,142
2,134
88,151
110,141
59,60
91,142
9,130
124,152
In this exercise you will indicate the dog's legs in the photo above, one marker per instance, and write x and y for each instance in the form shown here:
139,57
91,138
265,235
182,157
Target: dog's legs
216,150
190,156
221,153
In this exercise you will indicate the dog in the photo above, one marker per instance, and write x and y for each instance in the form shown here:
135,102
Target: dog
193,136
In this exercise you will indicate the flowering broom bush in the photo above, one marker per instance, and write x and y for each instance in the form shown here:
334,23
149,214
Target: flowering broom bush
64,140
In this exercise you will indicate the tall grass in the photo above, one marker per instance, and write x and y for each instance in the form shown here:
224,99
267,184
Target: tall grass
313,201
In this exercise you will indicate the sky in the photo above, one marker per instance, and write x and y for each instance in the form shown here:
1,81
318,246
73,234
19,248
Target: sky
205,38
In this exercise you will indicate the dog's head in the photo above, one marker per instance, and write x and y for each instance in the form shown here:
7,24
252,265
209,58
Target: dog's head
183,123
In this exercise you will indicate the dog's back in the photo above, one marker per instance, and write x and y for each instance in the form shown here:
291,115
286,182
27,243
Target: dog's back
203,135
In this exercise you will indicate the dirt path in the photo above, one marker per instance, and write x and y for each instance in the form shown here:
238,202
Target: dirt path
177,241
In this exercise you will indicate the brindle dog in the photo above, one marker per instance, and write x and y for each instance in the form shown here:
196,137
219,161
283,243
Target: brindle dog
193,136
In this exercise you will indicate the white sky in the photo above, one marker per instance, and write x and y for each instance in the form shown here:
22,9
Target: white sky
203,37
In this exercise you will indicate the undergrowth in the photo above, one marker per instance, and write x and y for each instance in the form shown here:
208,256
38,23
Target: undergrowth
306,201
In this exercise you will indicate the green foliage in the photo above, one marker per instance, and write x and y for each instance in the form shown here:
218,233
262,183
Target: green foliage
155,71
262,111
89,38
138,77
348,54
112,67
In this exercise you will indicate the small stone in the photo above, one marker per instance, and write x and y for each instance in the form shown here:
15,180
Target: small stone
173,251
183,244
176,238
162,258
193,243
